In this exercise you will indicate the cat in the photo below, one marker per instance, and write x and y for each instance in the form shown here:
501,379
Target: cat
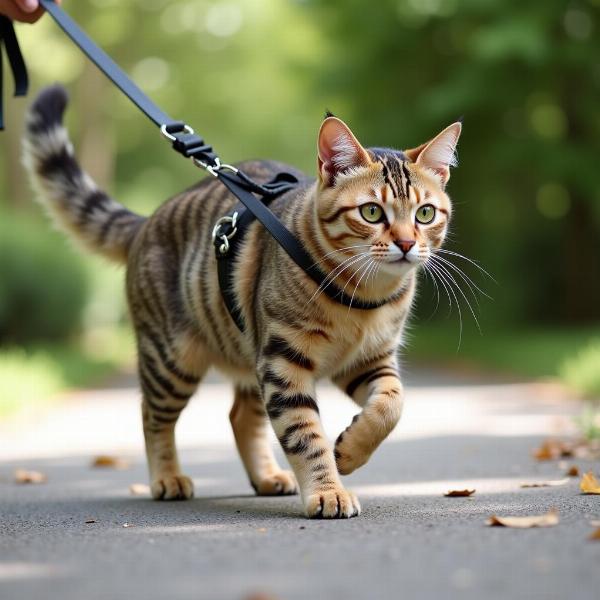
370,219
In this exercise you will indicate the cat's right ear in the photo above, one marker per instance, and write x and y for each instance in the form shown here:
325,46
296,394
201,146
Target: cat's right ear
339,151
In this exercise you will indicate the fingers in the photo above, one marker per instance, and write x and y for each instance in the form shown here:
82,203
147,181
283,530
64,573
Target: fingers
27,6
25,11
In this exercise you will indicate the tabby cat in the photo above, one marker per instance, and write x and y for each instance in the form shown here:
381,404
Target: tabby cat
370,219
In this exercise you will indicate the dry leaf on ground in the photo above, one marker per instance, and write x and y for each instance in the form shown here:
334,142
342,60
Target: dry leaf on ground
139,489
573,471
459,493
539,484
553,450
110,462
595,535
589,484
548,520
24,476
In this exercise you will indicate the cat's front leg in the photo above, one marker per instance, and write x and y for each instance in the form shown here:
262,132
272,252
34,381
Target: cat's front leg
377,388
288,390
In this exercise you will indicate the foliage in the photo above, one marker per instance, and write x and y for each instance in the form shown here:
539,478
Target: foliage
589,422
43,284
526,351
581,371
26,379
31,378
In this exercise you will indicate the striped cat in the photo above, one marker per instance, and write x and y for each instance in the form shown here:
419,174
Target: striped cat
370,219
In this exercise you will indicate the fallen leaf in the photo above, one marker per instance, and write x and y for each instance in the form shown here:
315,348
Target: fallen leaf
540,484
589,484
110,462
23,476
573,471
548,520
595,535
459,493
139,489
91,521
553,450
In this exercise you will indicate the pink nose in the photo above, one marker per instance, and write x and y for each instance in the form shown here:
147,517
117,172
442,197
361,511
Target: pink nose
405,245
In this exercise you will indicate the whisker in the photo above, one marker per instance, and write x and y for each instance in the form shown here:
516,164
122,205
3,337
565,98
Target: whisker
435,286
470,283
473,262
333,275
369,265
433,272
339,250
442,276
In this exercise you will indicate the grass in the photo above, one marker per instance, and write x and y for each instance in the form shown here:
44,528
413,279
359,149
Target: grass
32,378
526,352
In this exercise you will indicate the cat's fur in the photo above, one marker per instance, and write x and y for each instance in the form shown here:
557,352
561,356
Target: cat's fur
295,334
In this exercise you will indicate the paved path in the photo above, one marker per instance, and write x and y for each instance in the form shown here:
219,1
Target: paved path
410,542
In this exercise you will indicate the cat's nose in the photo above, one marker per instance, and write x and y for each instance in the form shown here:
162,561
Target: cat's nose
405,245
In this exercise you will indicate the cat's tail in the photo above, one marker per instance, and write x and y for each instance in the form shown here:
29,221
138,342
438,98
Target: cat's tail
69,194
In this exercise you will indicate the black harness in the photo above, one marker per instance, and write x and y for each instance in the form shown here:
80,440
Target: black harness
254,198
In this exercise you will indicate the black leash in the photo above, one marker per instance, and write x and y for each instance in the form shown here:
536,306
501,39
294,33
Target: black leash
254,197
8,38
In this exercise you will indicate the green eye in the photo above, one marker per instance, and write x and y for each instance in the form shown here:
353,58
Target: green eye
372,213
425,214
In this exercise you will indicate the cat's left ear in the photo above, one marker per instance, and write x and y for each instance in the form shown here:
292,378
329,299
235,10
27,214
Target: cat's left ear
339,150
439,154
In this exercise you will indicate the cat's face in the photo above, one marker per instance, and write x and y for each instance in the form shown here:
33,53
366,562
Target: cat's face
384,208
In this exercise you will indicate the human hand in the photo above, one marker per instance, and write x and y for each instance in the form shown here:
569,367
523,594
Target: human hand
27,11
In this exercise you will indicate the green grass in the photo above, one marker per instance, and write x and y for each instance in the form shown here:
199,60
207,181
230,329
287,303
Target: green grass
33,377
527,352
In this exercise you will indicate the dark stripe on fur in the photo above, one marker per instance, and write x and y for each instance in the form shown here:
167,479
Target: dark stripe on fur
277,346
279,403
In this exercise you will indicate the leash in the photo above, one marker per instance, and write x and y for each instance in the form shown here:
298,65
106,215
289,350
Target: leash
8,38
254,197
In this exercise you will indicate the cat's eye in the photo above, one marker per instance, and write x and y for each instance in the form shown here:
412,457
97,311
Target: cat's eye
425,214
372,213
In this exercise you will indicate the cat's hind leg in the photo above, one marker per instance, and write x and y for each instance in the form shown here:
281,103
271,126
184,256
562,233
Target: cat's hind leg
167,385
251,426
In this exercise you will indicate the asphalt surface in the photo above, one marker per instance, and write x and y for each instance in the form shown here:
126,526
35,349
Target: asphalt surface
410,541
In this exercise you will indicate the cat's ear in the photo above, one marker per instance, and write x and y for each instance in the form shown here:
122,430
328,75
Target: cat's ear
339,150
439,154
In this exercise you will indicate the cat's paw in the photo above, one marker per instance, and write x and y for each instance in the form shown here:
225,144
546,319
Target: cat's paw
338,503
172,487
282,483
349,455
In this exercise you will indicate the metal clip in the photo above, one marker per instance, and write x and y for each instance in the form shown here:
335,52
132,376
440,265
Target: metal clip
212,169
172,138
216,232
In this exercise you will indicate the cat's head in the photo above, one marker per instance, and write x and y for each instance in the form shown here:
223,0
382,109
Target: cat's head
387,206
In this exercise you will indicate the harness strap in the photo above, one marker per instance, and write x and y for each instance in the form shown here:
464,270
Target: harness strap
15,60
233,229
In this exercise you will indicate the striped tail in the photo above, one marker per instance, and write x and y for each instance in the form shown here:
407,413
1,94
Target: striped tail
70,196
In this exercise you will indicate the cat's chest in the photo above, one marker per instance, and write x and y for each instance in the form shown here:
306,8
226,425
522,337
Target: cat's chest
357,339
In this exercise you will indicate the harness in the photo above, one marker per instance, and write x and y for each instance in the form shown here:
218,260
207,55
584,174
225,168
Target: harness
254,198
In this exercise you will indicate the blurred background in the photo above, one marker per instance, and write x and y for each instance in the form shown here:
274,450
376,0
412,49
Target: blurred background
254,78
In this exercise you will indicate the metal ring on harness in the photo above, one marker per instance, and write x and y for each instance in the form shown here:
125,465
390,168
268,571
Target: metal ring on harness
216,232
